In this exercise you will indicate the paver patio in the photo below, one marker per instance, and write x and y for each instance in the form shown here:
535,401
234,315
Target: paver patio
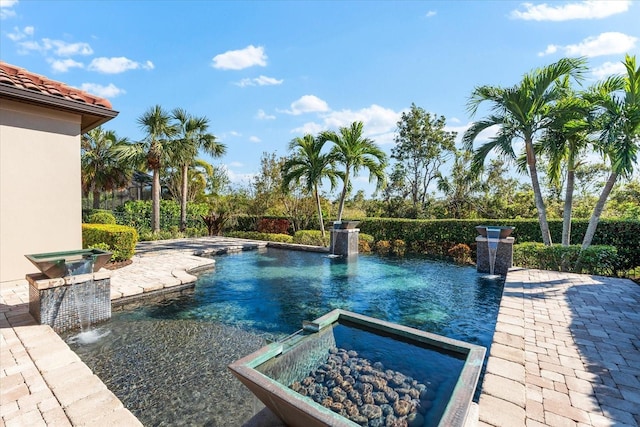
566,350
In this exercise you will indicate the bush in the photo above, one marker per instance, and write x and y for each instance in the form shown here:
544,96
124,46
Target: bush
137,214
461,254
311,237
273,225
595,259
398,247
120,239
101,217
365,241
254,235
383,247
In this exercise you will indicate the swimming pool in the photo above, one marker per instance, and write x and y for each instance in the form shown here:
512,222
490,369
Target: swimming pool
167,361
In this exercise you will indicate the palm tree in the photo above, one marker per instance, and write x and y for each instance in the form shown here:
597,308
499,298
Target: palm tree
564,142
520,112
102,170
617,101
308,166
152,152
356,152
192,136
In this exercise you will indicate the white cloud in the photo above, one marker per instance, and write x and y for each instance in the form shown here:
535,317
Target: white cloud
608,69
62,48
430,14
610,43
239,178
110,91
240,59
6,10
254,139
117,65
589,9
261,115
307,104
379,123
236,164
455,120
259,81
63,65
19,34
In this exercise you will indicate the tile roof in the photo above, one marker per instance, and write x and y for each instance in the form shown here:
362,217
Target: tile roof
12,75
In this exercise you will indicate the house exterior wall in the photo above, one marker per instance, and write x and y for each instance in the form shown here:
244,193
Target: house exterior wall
40,193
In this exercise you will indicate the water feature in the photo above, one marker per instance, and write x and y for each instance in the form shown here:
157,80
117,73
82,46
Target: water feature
333,235
167,360
493,238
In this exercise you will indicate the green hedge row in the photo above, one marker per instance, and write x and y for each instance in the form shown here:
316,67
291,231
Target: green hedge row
596,259
119,239
255,235
624,235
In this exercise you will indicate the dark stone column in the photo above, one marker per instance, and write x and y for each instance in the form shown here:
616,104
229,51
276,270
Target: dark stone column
504,256
344,242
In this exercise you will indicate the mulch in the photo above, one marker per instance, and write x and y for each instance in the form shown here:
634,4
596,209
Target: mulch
117,265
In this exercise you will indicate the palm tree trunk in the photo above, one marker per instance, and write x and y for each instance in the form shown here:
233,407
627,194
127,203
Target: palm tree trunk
96,199
315,189
537,192
343,195
155,196
183,198
597,210
568,206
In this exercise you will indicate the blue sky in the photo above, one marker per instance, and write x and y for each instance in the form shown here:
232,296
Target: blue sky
265,72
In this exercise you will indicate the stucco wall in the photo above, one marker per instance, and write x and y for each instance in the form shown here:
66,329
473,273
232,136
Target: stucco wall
40,194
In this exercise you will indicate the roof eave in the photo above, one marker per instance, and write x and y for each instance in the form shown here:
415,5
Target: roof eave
92,115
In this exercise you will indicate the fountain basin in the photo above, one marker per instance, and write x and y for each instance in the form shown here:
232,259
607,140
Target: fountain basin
60,264
504,231
445,370
345,225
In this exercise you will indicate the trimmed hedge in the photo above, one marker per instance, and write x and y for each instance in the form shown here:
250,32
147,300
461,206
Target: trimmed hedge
101,217
120,239
622,234
596,259
311,237
254,235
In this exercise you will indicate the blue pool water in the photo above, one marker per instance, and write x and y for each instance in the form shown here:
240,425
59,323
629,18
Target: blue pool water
273,291
166,359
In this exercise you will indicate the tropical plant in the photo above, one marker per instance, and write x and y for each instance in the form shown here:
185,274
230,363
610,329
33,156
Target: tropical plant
617,101
564,142
308,166
192,136
152,152
355,152
521,112
102,169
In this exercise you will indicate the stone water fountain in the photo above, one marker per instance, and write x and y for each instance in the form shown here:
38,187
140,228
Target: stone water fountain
495,249
344,239
70,292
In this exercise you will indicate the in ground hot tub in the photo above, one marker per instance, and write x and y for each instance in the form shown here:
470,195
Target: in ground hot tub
346,369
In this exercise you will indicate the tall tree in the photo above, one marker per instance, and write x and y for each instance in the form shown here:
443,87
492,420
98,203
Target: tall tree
422,146
564,142
102,169
152,152
521,112
191,137
617,101
308,166
355,152
460,187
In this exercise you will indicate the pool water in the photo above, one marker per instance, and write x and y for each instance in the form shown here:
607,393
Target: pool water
167,361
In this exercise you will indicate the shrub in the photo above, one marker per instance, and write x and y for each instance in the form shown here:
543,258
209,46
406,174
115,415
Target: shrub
273,225
461,254
101,217
137,214
595,259
364,247
254,235
120,239
311,237
383,247
398,247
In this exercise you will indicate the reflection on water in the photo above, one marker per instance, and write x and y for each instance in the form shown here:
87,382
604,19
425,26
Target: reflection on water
166,361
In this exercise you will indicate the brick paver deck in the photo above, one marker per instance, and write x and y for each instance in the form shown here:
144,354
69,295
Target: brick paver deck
566,351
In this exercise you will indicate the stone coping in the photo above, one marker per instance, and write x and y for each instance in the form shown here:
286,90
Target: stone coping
41,281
